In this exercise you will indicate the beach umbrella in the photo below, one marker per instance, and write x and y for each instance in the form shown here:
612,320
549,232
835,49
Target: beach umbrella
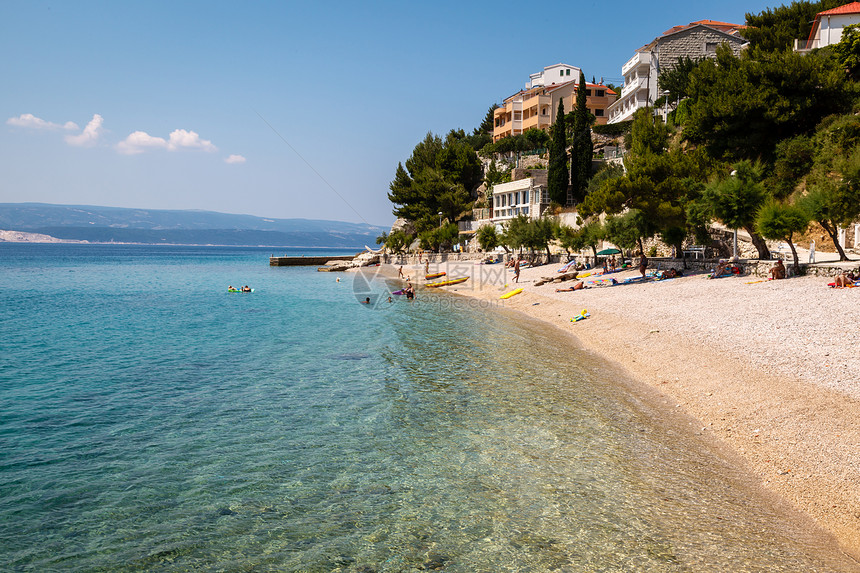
609,252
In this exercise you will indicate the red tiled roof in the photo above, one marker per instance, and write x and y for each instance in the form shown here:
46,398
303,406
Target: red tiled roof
722,26
853,8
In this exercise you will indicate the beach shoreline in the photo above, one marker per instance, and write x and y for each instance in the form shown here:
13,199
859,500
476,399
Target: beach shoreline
767,368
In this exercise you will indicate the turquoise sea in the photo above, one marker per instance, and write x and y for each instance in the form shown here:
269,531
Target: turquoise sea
151,421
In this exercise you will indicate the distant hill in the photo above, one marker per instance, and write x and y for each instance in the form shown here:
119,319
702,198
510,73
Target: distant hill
121,225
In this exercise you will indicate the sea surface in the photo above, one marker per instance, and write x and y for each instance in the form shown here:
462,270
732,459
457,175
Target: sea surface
152,421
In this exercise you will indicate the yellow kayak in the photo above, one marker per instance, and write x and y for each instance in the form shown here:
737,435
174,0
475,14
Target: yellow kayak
448,282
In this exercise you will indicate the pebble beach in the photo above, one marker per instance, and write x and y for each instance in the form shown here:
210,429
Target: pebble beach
770,369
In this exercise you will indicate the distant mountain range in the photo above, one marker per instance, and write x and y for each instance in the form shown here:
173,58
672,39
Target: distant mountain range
122,225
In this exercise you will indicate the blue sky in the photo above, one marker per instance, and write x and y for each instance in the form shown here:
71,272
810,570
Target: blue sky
277,109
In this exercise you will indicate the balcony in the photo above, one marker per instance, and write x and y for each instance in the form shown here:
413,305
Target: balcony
634,86
640,59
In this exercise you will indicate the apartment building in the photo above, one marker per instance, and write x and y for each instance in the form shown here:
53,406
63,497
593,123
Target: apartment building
536,105
695,40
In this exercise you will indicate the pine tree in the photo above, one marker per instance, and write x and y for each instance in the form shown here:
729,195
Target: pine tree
581,151
557,174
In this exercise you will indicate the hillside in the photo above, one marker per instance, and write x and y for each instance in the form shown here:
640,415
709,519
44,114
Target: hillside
115,224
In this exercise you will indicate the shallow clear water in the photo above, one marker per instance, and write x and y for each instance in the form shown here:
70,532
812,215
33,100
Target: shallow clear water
149,420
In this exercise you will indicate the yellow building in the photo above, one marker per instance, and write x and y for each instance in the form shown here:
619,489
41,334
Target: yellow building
537,105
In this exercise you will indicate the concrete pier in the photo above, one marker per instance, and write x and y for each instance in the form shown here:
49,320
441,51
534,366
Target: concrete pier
305,261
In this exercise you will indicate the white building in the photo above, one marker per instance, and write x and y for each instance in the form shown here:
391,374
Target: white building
522,197
695,41
827,27
555,74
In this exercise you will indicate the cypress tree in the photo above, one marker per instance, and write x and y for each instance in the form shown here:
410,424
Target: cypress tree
557,174
581,151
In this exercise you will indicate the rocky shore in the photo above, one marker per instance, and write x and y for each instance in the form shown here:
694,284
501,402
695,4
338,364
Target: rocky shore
769,368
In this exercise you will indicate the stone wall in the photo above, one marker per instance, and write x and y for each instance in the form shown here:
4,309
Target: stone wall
693,43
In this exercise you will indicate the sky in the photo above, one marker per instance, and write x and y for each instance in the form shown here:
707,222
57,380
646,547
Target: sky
278,109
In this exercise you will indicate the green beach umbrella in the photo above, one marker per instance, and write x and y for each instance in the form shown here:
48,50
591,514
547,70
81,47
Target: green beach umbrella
609,252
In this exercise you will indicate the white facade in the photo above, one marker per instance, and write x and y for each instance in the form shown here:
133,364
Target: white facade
828,30
640,86
522,197
555,74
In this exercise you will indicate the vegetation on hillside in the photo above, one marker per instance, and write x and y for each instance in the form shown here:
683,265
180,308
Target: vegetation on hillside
766,141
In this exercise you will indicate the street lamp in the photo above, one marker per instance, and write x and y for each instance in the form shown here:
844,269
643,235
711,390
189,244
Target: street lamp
735,236
440,226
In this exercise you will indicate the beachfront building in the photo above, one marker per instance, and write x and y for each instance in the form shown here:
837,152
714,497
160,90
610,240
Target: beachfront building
528,196
827,27
696,40
536,105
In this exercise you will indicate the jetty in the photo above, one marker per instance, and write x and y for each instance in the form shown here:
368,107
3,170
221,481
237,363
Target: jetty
306,261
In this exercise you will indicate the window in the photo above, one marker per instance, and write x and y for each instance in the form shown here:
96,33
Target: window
601,93
561,72
517,198
710,48
525,196
568,72
598,112
587,93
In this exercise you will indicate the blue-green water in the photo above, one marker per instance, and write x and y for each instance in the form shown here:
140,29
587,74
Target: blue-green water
149,420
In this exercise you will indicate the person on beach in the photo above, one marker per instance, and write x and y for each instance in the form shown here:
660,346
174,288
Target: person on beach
777,271
612,264
517,271
721,270
400,272
844,280
427,266
578,285
643,264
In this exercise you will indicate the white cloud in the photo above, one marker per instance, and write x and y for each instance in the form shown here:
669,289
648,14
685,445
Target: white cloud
235,159
31,121
140,141
90,135
182,139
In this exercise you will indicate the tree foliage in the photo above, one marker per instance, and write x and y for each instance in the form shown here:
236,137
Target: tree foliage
558,176
657,186
581,147
741,107
781,221
833,183
736,199
676,80
775,30
440,176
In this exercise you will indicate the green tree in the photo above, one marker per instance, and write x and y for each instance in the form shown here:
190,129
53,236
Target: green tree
833,198
780,221
438,177
676,79
741,107
627,230
736,199
582,147
488,238
494,176
658,183
794,158
557,170
847,51
439,238
775,30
